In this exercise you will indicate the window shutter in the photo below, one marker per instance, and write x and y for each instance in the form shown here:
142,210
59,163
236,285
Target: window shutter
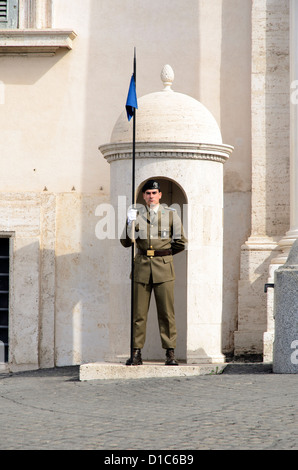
3,12
9,13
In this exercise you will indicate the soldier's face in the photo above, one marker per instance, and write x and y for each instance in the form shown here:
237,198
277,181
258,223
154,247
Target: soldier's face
152,197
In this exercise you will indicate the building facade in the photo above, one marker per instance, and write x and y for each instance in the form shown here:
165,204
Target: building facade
65,72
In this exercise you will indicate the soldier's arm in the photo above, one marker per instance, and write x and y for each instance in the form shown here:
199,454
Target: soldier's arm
179,240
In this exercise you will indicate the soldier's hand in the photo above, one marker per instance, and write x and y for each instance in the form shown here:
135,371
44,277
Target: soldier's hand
131,215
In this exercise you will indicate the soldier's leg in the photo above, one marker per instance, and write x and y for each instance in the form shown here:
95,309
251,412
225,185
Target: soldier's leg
164,296
142,294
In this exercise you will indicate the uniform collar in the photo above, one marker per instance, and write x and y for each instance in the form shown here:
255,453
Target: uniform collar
155,209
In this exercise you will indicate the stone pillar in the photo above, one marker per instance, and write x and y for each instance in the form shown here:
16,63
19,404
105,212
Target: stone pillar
290,236
270,171
287,241
285,352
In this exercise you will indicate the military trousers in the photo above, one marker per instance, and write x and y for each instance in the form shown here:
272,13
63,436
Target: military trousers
164,297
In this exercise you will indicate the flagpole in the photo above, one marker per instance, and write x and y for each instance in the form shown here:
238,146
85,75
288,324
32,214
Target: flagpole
133,205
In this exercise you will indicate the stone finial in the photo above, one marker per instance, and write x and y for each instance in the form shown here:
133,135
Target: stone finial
167,77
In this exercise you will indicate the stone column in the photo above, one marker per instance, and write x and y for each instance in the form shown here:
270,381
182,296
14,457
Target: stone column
292,234
289,238
270,169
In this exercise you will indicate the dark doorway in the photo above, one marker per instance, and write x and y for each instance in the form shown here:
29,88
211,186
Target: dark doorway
4,298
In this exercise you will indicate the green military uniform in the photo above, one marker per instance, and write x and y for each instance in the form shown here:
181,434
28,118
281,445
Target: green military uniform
158,237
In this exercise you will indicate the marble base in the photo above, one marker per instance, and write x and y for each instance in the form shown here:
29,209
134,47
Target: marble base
106,371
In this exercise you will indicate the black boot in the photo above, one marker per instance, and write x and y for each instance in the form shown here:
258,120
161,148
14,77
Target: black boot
136,359
170,358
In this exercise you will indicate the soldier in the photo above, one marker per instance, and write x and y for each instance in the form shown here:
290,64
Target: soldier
159,235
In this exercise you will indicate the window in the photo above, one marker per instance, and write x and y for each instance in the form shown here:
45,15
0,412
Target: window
9,13
4,298
26,28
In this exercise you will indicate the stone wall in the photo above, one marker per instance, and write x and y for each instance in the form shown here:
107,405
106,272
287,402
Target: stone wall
58,279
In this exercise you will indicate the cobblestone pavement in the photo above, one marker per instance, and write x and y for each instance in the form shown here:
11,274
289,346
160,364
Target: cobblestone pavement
246,407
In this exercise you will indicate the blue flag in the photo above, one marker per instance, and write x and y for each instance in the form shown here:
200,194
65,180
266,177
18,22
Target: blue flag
131,102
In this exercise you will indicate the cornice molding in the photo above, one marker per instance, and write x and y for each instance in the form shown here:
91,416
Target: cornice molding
176,150
35,41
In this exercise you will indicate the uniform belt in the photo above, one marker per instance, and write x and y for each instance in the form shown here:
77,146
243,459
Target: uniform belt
155,252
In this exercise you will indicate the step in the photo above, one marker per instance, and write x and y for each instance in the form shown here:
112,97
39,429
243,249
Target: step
107,371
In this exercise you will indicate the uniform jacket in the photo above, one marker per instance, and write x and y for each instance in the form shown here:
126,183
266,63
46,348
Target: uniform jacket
165,232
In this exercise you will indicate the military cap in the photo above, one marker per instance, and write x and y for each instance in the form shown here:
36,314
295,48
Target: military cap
151,184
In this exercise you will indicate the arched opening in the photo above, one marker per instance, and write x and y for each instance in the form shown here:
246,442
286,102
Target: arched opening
172,195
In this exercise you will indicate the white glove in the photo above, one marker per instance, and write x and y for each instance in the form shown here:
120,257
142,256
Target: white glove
131,215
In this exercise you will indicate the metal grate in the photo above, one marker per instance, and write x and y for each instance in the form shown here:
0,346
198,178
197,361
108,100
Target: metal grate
4,297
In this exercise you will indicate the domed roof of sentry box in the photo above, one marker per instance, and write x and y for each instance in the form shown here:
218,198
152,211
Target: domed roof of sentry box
168,116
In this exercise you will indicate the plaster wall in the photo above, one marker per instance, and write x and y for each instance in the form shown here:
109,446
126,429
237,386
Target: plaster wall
57,110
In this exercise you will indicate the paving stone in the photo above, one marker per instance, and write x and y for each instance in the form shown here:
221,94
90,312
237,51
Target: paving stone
245,407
